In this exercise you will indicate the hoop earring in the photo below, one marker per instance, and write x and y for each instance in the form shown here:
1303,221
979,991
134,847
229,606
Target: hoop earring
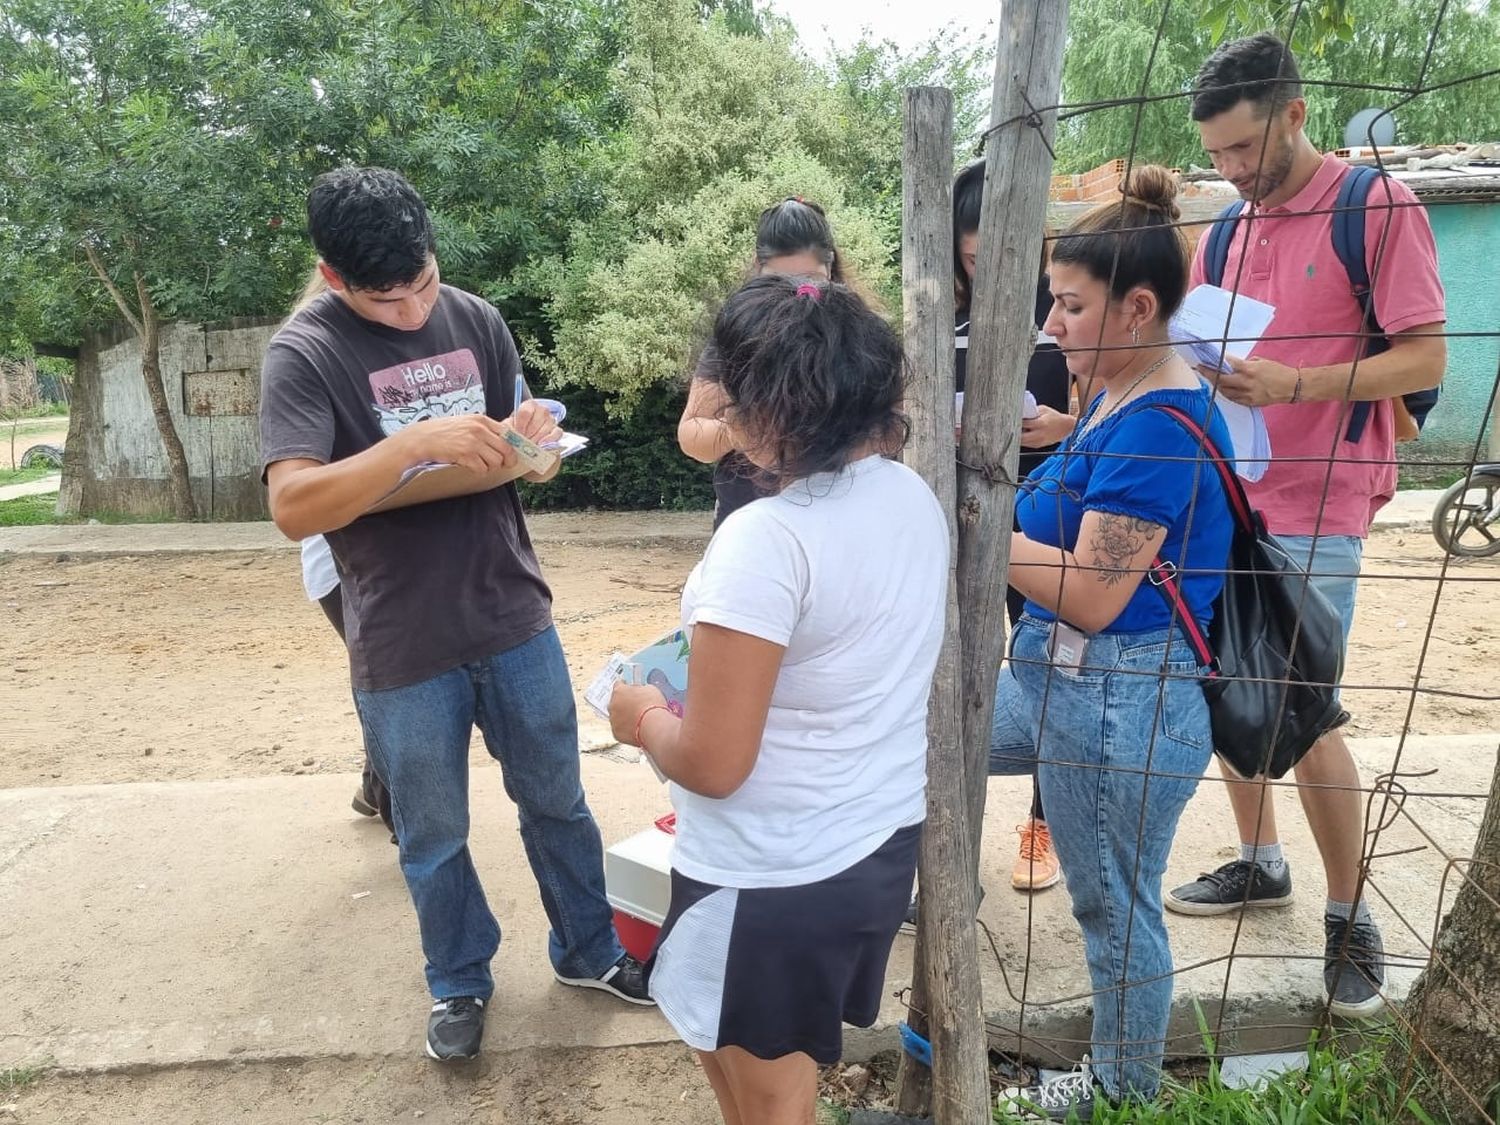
1135,334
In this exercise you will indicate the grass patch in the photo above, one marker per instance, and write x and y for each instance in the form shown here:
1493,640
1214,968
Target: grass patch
29,511
23,476
20,1077
1338,1086
1409,477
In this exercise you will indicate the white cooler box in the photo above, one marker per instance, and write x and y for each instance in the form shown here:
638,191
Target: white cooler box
638,884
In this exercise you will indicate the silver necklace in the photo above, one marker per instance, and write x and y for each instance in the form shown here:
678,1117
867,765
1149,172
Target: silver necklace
1134,383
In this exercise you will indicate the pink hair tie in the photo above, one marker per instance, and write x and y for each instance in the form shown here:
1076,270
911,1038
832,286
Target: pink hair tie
808,289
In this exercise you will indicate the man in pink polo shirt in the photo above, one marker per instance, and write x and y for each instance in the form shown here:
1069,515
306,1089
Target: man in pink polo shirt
1321,490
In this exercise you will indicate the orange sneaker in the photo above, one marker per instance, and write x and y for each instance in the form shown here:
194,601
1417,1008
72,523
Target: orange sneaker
1036,866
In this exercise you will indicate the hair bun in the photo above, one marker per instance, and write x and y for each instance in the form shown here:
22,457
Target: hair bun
1153,188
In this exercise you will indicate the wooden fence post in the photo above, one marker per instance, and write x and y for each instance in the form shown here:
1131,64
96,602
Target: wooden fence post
1002,335
946,969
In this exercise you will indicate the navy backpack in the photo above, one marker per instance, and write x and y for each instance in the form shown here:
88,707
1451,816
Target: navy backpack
1349,245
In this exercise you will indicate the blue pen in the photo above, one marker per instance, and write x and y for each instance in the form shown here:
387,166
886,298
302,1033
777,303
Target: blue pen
520,392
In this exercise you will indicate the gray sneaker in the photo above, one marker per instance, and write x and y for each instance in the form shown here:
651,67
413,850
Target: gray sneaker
1071,1096
909,923
626,978
455,1028
1353,968
1235,886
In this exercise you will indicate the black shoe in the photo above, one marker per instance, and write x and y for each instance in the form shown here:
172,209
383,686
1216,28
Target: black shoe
455,1028
626,978
1232,887
1352,974
363,806
1070,1097
909,923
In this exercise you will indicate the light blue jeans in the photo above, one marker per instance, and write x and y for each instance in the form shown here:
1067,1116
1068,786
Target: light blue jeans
1118,749
1333,561
418,737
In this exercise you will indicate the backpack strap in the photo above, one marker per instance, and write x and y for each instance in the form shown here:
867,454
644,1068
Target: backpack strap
1163,575
1349,221
1216,250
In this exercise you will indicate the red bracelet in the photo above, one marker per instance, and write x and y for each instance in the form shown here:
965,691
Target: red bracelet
642,719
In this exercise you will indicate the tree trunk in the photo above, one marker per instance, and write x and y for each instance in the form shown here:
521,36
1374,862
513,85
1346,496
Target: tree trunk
1453,1011
183,507
945,975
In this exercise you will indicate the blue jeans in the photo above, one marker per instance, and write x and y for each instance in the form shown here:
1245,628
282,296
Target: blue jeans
418,737
1112,826
1334,562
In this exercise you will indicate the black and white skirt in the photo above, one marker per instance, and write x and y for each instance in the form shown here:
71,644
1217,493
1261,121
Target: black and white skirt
776,970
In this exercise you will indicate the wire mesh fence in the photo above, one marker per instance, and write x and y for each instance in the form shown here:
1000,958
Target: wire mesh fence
1414,850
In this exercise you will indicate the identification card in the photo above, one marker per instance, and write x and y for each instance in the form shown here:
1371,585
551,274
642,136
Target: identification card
1066,647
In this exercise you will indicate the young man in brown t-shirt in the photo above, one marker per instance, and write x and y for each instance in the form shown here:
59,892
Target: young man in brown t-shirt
448,619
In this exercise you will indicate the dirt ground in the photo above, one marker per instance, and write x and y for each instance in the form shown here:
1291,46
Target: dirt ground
215,666
631,1086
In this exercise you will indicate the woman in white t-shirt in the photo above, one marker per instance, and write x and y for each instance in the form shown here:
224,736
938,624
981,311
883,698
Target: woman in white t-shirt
799,764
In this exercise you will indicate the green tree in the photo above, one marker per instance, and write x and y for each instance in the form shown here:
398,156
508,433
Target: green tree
718,125
1111,41
485,106
157,154
125,163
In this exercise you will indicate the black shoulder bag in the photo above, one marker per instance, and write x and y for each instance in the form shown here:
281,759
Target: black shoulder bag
1275,648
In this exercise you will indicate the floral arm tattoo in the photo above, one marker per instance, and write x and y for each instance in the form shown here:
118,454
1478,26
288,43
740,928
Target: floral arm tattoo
1115,542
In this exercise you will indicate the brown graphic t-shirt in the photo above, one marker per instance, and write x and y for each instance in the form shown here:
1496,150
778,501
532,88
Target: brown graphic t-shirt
433,586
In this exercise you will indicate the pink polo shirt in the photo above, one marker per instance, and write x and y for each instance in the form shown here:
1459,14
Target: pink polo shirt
1291,265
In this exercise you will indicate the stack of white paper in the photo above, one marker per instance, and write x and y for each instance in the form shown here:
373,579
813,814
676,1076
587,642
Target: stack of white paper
1208,317
1248,436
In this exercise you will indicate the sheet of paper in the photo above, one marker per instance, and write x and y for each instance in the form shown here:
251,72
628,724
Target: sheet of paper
1248,437
568,445
1210,315
1028,408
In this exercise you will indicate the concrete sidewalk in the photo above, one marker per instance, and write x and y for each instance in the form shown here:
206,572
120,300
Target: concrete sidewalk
184,923
1408,510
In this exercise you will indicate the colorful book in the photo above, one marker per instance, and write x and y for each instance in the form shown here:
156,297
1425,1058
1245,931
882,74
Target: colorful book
662,664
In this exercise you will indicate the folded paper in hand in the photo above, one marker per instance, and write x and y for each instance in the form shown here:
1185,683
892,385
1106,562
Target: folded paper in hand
1213,321
1208,317
442,480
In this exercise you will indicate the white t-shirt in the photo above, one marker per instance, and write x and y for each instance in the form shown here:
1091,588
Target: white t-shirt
319,576
850,573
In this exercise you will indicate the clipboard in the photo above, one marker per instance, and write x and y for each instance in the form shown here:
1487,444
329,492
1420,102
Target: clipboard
437,480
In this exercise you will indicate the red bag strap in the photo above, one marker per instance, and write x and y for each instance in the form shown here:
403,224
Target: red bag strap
1163,575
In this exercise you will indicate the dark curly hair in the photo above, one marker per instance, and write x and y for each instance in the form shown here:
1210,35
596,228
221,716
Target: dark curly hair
812,375
370,226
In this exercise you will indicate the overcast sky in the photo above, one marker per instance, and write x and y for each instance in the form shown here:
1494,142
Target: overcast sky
909,23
